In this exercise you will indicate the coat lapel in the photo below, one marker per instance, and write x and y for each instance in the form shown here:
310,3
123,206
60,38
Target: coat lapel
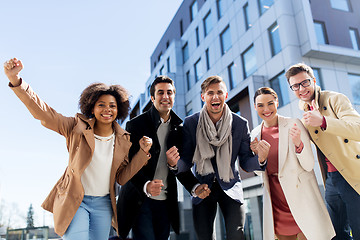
283,141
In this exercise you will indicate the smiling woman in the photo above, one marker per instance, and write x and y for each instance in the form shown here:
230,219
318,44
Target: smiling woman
98,156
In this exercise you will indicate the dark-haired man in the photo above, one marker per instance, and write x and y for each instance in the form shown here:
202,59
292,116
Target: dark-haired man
148,202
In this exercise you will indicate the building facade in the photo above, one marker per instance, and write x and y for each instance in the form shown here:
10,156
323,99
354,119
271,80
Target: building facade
250,44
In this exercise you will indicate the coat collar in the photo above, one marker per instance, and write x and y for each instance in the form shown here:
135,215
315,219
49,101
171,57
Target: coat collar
155,117
305,106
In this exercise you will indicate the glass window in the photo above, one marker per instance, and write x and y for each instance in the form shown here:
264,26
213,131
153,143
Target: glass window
264,5
188,108
354,36
197,36
232,82
274,39
220,8
181,28
340,4
249,61
320,32
160,56
247,16
280,85
198,70
188,83
185,52
355,87
225,40
161,70
168,64
193,10
207,59
208,26
317,75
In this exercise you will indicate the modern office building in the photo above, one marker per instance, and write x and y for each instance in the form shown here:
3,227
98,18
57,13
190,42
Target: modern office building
251,43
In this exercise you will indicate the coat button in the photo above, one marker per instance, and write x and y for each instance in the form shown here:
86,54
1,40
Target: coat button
346,140
316,131
358,156
325,108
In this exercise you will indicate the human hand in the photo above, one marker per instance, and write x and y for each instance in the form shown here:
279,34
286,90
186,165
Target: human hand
253,145
295,134
154,187
172,156
145,144
263,149
202,191
313,118
12,69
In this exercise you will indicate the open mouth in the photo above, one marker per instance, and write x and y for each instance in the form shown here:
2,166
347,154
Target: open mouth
215,105
106,116
267,114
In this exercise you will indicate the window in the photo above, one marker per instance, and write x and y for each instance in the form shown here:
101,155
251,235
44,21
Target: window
248,58
354,36
340,5
355,87
207,59
168,64
193,10
167,44
317,75
247,16
188,83
154,64
225,40
320,33
220,8
274,39
161,70
181,28
208,26
264,5
198,70
185,52
188,108
232,82
160,56
197,36
280,85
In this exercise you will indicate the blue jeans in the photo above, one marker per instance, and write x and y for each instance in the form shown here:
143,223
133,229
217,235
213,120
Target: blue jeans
92,220
153,221
204,215
343,204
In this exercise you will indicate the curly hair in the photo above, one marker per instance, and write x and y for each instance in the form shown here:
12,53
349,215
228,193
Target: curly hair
94,91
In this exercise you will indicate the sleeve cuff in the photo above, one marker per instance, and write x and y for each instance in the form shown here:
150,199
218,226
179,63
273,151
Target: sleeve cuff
144,189
193,190
323,125
175,168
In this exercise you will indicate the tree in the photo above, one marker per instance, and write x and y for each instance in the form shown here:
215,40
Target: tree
30,217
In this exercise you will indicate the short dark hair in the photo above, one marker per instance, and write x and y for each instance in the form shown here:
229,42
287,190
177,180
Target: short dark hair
298,68
211,80
161,79
265,90
94,91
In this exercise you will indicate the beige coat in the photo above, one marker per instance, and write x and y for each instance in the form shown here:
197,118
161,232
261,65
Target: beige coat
67,195
340,142
298,182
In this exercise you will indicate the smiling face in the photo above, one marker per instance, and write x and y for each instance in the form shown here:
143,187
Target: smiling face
306,94
163,99
214,97
105,109
266,106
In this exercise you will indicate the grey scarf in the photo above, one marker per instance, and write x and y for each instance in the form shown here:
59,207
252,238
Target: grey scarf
208,138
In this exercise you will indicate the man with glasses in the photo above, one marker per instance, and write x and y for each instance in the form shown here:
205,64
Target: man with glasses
334,126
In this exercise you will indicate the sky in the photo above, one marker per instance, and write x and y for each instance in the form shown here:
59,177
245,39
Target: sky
64,46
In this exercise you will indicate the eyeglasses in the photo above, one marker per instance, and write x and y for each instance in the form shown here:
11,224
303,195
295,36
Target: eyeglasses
305,83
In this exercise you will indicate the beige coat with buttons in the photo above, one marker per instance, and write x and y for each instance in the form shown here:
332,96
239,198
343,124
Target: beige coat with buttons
299,184
340,142
67,195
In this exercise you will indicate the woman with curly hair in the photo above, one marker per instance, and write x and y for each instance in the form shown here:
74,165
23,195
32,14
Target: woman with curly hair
83,200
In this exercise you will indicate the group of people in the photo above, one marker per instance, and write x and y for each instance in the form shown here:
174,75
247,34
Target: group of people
203,153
